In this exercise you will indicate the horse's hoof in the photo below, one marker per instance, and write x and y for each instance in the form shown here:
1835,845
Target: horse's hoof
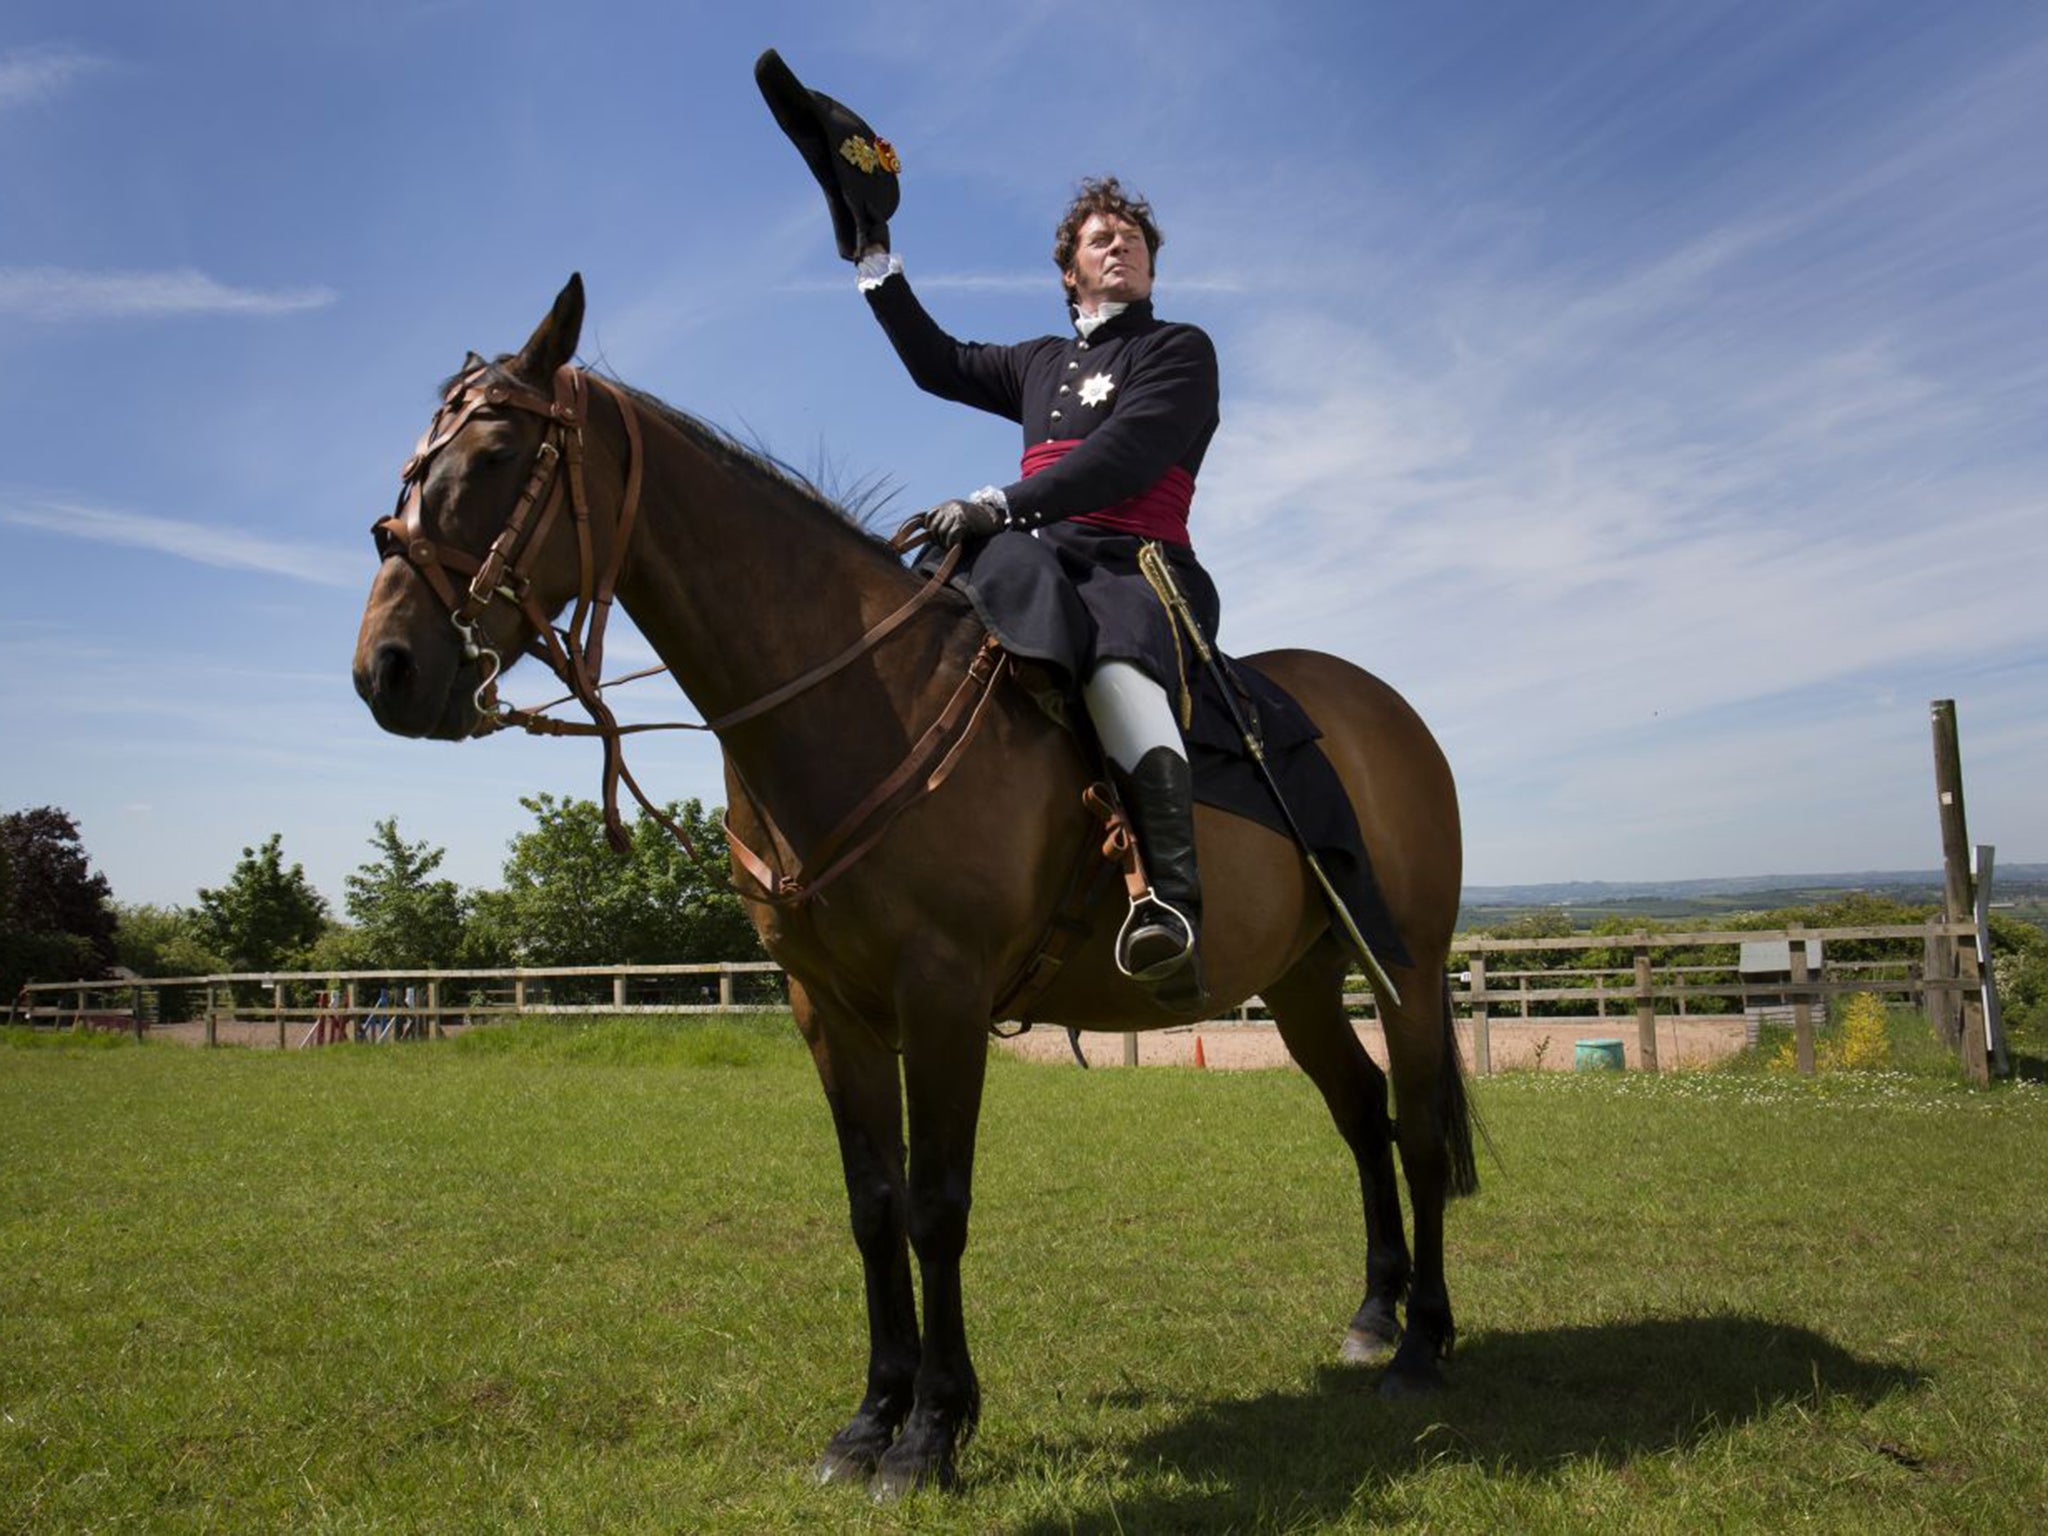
901,1475
893,1483
1363,1348
852,1457
837,1468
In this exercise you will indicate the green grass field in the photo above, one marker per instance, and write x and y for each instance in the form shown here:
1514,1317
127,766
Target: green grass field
572,1279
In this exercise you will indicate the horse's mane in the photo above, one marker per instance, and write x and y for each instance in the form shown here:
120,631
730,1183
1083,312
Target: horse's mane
856,507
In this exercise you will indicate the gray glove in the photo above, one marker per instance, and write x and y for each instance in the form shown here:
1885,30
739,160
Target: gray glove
955,522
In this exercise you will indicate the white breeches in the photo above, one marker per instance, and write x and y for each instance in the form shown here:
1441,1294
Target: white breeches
1132,714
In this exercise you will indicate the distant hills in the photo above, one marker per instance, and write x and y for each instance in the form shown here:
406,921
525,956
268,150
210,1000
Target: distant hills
1588,900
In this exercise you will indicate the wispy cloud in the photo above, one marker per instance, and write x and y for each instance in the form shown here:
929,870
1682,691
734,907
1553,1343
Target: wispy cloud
1649,532
58,293
197,542
39,73
1041,280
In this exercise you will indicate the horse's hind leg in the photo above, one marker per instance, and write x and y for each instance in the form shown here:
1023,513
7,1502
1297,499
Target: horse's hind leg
1435,1133
1308,1006
860,1079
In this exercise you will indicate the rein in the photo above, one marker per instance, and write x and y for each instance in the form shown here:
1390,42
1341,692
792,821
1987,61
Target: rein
575,653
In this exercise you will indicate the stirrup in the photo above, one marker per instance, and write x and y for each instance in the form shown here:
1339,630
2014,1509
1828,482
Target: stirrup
1156,940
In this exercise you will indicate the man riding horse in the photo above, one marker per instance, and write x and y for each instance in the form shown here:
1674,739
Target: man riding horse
541,491
1116,419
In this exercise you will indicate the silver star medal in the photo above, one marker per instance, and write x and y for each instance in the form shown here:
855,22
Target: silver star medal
1095,388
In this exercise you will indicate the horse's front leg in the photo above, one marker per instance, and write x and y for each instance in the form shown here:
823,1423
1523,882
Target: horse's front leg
860,1081
945,1058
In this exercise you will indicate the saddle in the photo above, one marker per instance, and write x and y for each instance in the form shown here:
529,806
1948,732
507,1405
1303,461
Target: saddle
1227,779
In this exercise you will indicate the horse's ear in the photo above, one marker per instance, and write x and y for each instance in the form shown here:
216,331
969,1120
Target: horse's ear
553,341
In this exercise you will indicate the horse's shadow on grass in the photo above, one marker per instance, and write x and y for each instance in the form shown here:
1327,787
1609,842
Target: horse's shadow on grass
1524,1402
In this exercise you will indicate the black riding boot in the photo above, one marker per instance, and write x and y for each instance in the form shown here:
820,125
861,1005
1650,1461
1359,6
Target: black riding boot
1159,944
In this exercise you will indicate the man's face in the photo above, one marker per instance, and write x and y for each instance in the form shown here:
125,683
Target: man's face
1110,262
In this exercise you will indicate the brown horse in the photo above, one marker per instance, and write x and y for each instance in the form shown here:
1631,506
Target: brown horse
742,578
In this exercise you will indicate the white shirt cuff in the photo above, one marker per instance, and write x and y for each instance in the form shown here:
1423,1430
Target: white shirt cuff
876,268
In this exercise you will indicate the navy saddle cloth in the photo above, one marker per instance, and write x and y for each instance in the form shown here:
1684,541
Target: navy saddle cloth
1227,778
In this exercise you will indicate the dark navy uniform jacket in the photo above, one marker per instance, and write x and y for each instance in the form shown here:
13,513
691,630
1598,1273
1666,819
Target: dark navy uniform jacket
1140,395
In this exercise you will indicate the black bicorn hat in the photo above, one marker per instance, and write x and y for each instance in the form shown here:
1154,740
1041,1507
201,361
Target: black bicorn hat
856,167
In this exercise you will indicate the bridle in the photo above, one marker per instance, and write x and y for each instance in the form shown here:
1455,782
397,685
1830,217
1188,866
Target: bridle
575,653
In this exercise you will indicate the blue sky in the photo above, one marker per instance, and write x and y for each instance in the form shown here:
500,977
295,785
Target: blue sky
1652,392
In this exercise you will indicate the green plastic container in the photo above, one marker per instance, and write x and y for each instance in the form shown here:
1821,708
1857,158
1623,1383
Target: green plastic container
1598,1056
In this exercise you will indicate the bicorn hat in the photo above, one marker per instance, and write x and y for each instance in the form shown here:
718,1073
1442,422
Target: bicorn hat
855,166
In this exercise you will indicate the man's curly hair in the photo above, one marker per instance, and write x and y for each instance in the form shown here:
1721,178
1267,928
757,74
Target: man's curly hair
1104,195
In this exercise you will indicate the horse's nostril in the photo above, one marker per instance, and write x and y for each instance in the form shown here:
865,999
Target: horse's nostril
391,671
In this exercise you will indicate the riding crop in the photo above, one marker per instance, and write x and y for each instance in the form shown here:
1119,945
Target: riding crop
1159,574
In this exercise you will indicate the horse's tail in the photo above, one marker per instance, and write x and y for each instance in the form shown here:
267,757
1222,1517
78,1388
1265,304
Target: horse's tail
1454,1112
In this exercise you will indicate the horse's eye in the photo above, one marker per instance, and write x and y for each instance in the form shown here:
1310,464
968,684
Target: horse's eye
498,448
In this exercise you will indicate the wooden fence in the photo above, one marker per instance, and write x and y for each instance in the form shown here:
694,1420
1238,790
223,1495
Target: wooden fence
397,1005
1914,973
1493,982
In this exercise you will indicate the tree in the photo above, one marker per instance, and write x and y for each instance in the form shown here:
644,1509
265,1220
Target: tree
266,917
402,917
1535,923
167,941
569,900
164,941
56,923
2019,953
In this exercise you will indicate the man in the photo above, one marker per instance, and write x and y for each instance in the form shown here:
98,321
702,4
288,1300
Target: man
1116,419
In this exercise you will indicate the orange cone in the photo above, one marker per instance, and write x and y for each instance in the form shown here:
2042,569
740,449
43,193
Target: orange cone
1200,1059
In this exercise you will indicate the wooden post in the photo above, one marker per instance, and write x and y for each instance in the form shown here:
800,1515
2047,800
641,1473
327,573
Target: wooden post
1930,970
519,994
1130,1049
135,1010
1802,1004
1482,1026
212,1018
619,993
434,1009
351,1023
1646,1006
1972,1038
725,985
277,995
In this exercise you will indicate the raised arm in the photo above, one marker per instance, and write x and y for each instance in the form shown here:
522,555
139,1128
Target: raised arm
989,378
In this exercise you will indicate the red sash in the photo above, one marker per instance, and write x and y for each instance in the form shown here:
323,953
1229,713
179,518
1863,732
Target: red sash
1158,512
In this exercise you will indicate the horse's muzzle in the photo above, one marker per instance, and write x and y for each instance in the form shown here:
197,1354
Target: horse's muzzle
408,699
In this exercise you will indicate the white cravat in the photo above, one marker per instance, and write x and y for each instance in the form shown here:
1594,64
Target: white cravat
1088,324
